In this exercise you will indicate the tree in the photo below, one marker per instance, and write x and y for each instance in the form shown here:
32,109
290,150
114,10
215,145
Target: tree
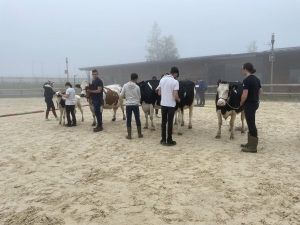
160,48
252,47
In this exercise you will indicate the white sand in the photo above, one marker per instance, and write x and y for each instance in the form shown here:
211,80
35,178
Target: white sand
51,174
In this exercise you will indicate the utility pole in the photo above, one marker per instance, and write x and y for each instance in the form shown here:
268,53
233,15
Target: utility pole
67,70
272,58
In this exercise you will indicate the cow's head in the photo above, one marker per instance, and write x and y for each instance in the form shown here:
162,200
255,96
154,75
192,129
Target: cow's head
83,86
223,92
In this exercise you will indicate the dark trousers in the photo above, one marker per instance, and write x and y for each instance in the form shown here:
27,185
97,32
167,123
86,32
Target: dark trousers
136,111
250,110
71,109
50,104
97,105
167,114
202,98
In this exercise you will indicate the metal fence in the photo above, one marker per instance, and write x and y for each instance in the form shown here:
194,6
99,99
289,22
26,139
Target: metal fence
38,80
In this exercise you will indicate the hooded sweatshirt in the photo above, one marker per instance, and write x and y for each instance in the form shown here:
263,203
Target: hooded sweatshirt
131,92
48,93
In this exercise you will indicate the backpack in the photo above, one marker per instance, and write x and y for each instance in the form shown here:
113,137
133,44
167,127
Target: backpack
204,87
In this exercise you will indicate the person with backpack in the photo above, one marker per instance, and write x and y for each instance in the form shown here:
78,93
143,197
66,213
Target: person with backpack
202,87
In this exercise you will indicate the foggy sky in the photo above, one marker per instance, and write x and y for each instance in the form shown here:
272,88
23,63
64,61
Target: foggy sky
37,35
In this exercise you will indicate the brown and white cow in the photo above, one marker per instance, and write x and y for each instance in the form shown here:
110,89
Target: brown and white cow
62,109
228,100
111,98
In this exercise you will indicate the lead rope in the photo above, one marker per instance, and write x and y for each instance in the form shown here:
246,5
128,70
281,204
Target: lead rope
230,105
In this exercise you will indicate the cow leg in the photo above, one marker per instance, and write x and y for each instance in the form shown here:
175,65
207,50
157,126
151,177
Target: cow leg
180,115
232,119
64,116
175,116
243,120
122,108
145,108
151,117
61,113
182,118
114,116
219,114
190,115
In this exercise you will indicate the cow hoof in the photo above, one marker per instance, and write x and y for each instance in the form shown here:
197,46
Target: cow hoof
190,127
218,137
175,123
113,119
124,118
179,133
242,131
229,130
231,137
145,127
94,124
82,120
182,125
152,129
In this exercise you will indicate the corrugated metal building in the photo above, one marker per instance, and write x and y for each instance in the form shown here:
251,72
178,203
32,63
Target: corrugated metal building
211,68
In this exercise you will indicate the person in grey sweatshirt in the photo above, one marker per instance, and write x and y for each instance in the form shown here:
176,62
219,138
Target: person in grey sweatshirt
131,92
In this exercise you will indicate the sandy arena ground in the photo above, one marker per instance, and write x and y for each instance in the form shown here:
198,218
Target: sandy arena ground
51,174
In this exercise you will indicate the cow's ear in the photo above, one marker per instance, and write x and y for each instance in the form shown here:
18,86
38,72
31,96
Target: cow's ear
219,81
233,87
77,85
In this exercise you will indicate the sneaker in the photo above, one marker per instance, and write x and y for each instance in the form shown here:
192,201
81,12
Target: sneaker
158,116
163,142
47,119
171,143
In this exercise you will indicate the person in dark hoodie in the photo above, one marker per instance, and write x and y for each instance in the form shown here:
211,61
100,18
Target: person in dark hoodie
48,94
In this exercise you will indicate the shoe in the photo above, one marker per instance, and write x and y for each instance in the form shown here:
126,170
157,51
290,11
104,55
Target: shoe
57,118
201,105
252,148
97,129
74,125
163,142
171,143
129,133
140,132
68,125
47,119
158,116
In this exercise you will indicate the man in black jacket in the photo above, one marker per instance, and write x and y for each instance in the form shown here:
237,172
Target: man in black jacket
48,94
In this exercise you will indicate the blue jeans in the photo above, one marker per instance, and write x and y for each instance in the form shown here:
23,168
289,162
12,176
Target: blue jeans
136,111
97,105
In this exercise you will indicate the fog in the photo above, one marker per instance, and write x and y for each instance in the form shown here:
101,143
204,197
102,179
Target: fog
37,36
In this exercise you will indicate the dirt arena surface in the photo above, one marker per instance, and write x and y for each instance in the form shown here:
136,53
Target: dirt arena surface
51,174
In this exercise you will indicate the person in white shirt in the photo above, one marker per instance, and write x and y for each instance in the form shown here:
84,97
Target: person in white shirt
168,89
70,104
132,93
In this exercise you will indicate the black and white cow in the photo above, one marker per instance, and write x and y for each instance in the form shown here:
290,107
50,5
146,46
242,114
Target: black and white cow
150,99
186,94
228,100
60,101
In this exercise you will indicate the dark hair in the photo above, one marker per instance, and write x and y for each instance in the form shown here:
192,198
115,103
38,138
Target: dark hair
174,70
68,84
134,76
154,78
249,67
94,71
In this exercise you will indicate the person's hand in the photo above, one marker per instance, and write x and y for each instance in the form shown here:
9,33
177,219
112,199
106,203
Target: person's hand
88,91
178,100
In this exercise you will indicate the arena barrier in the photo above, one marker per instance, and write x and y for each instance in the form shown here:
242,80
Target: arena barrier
25,113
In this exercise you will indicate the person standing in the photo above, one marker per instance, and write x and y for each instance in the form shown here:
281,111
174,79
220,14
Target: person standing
132,93
97,98
48,94
250,97
70,104
168,89
201,90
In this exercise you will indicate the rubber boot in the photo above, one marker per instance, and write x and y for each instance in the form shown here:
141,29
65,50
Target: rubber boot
129,133
140,132
246,145
253,142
